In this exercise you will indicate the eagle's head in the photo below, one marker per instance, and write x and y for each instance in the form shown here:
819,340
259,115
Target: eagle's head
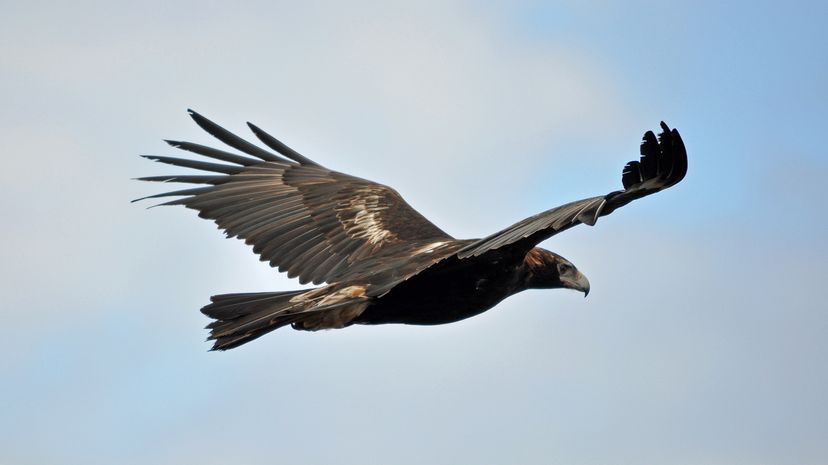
548,270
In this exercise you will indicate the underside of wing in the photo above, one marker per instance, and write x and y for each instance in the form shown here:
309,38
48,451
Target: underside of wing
303,218
663,164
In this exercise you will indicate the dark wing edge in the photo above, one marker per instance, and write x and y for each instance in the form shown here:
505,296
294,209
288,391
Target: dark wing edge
234,163
663,163
305,219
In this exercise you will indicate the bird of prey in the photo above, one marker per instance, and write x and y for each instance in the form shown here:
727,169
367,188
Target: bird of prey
379,259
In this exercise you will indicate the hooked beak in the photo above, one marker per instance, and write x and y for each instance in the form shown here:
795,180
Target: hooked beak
579,283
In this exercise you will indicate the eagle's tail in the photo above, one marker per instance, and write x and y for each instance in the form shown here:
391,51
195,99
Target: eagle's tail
240,318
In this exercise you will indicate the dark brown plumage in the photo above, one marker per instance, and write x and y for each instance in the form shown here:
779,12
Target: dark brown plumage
382,261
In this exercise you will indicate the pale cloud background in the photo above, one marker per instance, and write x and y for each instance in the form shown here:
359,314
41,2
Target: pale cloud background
703,340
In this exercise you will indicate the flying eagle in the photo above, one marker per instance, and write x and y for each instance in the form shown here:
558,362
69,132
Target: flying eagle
380,260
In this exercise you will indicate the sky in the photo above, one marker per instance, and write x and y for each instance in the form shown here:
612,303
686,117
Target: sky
703,339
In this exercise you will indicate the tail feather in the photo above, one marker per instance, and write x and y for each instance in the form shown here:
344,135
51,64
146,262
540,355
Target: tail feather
240,318
232,306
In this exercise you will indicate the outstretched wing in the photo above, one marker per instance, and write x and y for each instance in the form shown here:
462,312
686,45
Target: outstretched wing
663,164
303,218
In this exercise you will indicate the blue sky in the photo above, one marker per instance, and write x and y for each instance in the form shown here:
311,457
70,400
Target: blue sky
703,339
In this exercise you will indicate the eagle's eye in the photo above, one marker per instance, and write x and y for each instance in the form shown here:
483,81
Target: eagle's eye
564,268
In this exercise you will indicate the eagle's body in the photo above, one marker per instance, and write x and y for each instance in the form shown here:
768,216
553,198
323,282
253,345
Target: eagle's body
381,260
452,290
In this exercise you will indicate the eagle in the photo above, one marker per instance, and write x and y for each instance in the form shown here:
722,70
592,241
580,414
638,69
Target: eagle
377,259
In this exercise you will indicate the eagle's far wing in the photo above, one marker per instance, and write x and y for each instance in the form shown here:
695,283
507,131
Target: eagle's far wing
663,164
303,218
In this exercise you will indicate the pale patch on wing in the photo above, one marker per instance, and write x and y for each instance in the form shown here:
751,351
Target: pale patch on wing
430,247
366,223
